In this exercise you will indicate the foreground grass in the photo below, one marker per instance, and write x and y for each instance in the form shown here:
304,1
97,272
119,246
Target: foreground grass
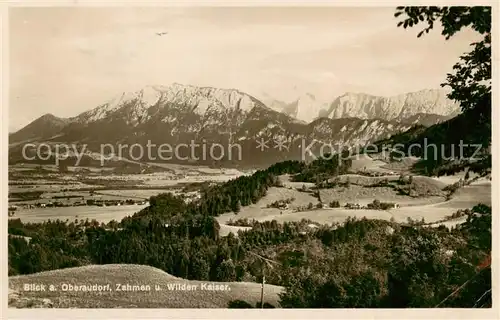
134,275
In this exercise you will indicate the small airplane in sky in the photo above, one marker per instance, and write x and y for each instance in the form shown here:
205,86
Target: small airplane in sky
161,33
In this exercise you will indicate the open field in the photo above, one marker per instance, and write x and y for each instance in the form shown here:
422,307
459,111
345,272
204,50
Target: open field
32,166
260,212
404,164
183,168
363,196
428,190
138,193
26,175
455,178
101,214
72,198
161,179
42,187
274,194
432,208
450,223
366,181
48,187
285,180
430,203
363,162
133,275
465,198
322,216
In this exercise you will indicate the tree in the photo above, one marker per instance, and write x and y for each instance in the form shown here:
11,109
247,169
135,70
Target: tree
239,304
226,271
470,81
255,196
401,178
417,269
199,268
334,204
236,206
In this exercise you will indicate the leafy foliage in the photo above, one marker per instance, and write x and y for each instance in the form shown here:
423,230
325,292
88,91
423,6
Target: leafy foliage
470,81
356,264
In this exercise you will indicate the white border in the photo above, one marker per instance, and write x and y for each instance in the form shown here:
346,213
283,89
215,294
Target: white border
228,313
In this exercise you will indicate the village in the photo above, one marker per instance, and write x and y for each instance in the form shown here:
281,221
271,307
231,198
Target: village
89,202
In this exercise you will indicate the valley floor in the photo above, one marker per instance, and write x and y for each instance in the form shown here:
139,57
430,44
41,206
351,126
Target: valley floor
101,214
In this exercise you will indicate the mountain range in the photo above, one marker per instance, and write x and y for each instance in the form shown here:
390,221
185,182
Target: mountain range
307,107
179,113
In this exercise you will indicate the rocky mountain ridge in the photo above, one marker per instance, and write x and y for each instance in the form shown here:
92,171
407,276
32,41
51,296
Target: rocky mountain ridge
180,114
365,106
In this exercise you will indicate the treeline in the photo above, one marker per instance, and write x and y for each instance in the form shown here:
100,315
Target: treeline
396,266
324,168
442,150
362,263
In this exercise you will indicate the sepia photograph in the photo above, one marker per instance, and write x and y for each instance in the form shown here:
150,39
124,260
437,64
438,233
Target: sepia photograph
249,157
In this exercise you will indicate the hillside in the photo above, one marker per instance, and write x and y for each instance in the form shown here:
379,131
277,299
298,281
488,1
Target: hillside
124,274
426,119
352,132
472,146
44,127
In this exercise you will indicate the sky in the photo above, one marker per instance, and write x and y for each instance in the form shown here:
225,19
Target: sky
68,60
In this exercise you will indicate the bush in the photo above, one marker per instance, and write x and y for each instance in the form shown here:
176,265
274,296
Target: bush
239,304
377,205
334,204
386,206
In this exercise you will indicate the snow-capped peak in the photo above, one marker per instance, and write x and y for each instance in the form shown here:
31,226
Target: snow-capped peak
198,99
365,106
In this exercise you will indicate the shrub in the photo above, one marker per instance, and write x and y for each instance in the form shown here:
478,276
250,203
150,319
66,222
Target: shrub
239,304
334,204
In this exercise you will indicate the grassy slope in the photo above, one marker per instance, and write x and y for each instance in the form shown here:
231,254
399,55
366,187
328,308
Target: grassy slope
133,275
430,204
